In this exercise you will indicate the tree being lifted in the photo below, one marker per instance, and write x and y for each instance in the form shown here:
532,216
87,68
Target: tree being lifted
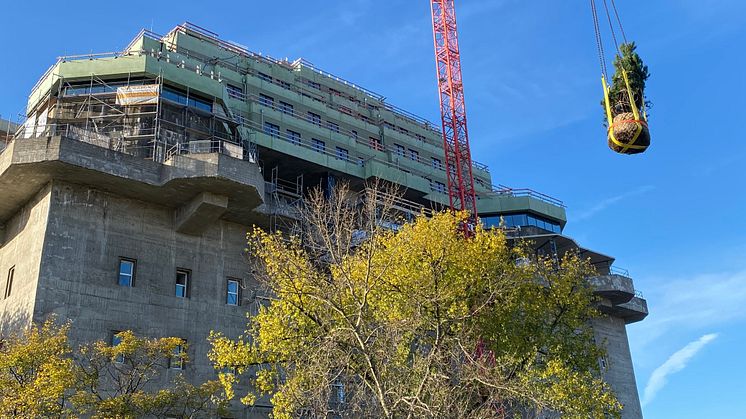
625,104
368,316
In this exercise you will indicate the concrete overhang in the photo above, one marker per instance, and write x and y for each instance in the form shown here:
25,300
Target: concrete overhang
565,244
27,165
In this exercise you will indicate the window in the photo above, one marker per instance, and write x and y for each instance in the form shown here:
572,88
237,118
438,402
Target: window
232,297
375,144
414,155
271,129
127,272
314,118
116,340
176,362
286,108
182,283
235,92
318,145
361,161
438,186
284,84
342,153
294,137
399,150
353,134
437,164
264,77
314,84
332,126
9,284
267,101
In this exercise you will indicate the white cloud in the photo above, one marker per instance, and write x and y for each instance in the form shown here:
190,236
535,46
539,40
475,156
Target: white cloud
590,212
675,363
701,301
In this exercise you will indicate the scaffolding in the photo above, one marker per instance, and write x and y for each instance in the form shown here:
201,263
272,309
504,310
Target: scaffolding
139,116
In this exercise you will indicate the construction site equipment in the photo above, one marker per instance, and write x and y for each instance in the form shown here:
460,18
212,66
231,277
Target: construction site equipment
461,194
624,100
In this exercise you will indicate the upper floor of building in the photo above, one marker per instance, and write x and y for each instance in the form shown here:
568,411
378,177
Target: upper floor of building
189,91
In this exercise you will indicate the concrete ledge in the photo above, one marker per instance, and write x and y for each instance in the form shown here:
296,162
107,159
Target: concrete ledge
615,288
632,311
29,164
201,212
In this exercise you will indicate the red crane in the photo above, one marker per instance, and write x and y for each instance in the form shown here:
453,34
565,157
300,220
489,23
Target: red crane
453,109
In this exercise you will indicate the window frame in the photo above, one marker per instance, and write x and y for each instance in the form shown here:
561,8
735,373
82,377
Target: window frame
9,281
132,276
178,350
114,341
188,283
294,137
228,293
342,153
266,100
318,145
273,130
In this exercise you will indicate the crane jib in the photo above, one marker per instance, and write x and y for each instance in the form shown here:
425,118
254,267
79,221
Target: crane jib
461,193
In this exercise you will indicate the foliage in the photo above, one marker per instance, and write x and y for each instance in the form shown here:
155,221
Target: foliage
36,372
637,73
122,380
40,377
364,321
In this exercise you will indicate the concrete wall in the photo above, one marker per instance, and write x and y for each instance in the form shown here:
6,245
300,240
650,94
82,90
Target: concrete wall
618,369
90,230
21,246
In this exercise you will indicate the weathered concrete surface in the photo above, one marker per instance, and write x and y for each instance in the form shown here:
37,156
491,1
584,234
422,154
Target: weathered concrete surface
616,288
194,217
22,248
618,369
28,164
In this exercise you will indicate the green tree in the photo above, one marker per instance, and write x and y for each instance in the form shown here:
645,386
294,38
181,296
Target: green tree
637,73
36,372
125,380
368,316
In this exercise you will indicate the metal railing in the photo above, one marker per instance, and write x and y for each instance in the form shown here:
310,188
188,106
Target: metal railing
505,190
614,270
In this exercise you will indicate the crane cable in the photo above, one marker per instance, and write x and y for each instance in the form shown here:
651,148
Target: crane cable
599,41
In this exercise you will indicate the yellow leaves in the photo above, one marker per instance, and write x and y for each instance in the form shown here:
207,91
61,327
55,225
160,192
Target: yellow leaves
35,372
396,317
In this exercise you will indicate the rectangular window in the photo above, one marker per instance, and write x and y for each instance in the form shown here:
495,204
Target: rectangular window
182,283
232,297
271,129
353,134
267,101
9,284
332,126
318,145
439,187
286,108
375,143
284,84
177,359
314,85
314,118
342,153
399,150
127,272
116,340
264,77
414,155
437,164
235,92
294,137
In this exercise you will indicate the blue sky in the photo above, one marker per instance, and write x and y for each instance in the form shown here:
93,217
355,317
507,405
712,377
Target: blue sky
675,216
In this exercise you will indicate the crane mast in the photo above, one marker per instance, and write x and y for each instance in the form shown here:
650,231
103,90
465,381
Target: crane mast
458,164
